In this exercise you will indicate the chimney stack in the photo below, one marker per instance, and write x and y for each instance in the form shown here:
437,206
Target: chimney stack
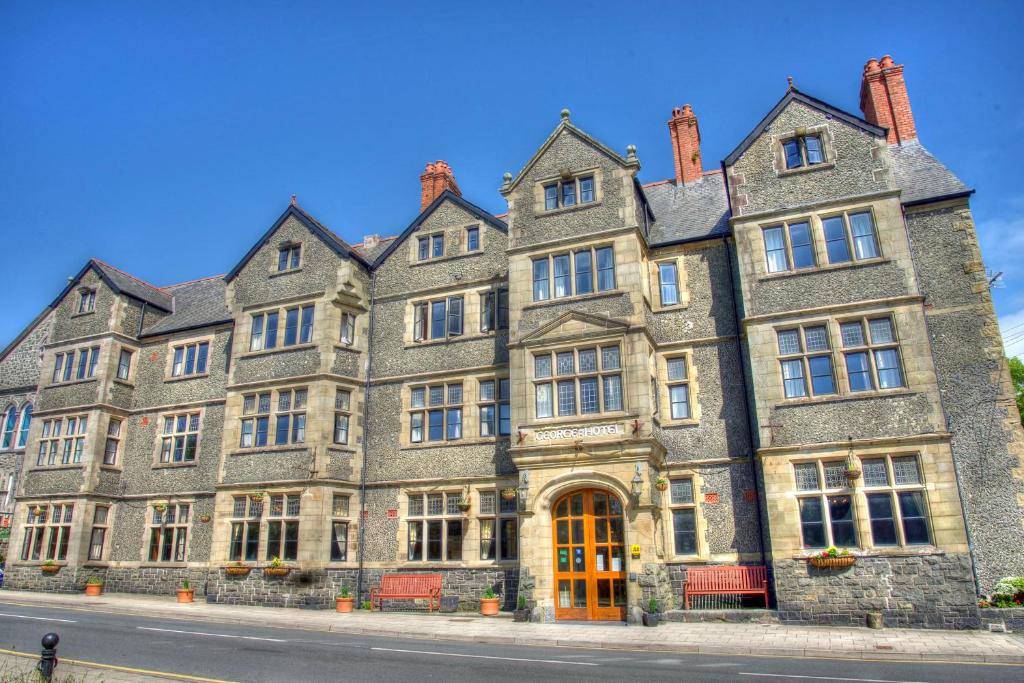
685,133
437,178
884,99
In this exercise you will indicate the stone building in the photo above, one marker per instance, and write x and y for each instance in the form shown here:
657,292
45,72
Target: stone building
576,401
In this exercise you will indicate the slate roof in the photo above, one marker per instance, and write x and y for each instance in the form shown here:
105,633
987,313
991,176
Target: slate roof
124,283
372,254
693,211
921,176
196,304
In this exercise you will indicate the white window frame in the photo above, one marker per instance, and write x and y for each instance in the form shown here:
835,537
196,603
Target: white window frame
423,519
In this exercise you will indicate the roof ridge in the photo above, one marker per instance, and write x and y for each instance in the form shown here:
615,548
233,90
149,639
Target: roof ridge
129,275
323,227
192,282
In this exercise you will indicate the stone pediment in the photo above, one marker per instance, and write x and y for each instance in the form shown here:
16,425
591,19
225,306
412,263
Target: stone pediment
575,324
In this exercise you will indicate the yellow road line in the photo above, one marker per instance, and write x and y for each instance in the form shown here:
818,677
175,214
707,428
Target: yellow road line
127,669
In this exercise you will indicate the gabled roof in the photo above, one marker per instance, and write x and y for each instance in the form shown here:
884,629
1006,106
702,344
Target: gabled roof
566,125
688,211
122,283
795,95
199,303
447,195
340,246
593,319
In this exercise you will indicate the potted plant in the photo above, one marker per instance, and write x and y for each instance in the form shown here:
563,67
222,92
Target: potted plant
237,569
489,603
366,605
160,507
852,472
522,612
832,558
651,615
343,600
509,493
256,496
186,593
465,503
276,568
94,586
661,483
49,567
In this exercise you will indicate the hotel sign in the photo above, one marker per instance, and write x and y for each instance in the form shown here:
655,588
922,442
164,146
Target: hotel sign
580,432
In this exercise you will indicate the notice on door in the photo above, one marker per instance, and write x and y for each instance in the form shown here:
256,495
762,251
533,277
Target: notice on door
600,562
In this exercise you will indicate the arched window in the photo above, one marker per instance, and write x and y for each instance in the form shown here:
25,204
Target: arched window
26,419
10,419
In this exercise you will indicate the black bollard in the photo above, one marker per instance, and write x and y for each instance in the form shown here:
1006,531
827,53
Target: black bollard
48,658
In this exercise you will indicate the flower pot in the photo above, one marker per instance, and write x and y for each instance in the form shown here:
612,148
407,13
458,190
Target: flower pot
651,619
237,571
489,606
276,571
521,615
840,562
185,594
343,605
662,486
49,568
94,589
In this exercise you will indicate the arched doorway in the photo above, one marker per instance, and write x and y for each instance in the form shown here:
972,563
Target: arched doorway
589,556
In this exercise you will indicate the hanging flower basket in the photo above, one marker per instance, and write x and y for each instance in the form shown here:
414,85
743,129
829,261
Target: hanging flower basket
256,496
237,570
509,493
840,562
661,484
50,568
276,571
465,504
853,475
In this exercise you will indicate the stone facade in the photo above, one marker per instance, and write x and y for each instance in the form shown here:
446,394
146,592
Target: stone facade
578,402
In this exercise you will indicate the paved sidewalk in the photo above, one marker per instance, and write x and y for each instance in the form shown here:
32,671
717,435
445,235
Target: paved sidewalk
710,638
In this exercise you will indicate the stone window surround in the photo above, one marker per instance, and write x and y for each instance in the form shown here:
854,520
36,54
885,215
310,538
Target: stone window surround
470,316
82,291
244,327
188,341
496,516
827,149
858,493
818,245
664,415
276,255
454,236
570,250
74,353
120,438
159,437
108,525
576,345
349,520
347,412
147,525
703,551
133,365
275,391
479,237
445,516
654,283
19,427
470,410
539,209
839,372
14,552
87,439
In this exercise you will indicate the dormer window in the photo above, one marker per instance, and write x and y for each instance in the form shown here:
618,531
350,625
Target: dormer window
565,193
288,257
87,301
803,150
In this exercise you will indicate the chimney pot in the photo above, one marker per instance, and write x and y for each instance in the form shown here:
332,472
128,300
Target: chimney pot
884,99
871,66
685,136
437,178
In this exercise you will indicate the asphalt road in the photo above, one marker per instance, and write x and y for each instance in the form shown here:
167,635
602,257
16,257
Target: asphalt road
234,652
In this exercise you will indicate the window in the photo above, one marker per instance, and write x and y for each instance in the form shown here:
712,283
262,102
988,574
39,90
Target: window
342,415
168,532
264,331
190,359
98,534
435,527
86,301
872,359
580,386
896,504
255,429
283,527
348,328
437,246
573,276
494,310
179,439
789,245
850,236
289,418
437,411
804,150
678,388
812,361
684,516
298,325
71,442
826,519
10,423
339,528
245,529
472,239
26,422
438,319
124,364
565,193
64,364
668,283
47,532
423,248
495,409
499,527
288,257
430,247
113,443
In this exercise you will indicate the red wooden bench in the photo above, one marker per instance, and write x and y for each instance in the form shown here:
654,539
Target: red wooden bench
726,581
407,586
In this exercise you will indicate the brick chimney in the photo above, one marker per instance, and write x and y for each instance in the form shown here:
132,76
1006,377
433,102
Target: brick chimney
884,100
685,133
437,178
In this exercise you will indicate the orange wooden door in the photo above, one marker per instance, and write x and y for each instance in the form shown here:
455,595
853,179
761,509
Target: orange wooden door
590,557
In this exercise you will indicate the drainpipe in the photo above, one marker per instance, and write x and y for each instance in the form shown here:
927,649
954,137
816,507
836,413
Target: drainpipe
366,412
142,319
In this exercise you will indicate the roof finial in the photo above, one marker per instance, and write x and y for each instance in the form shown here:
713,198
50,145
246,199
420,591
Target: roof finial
630,152
789,79
565,114
295,200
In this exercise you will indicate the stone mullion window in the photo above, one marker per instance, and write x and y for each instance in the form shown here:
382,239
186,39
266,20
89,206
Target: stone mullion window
71,443
805,360
244,542
850,236
290,417
168,532
499,531
180,438
339,527
190,359
872,353
683,508
64,364
436,412
342,415
98,533
439,319
569,192
825,505
255,426
896,503
263,330
573,273
113,442
283,527
435,527
803,150
47,532
678,375
581,381
430,247
289,257
86,300
789,246
495,408
494,310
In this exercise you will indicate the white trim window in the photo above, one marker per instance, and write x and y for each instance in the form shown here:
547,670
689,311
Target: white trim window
283,527
435,527
805,358
438,318
827,512
347,332
872,359
180,438
339,527
897,509
342,415
263,331
113,442
566,274
579,386
499,527
668,283
51,523
168,532
850,236
98,533
436,412
124,364
684,516
495,408
190,359
72,444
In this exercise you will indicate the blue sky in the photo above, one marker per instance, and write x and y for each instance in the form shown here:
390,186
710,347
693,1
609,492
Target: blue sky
165,138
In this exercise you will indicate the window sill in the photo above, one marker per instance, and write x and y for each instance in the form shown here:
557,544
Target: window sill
446,257
111,468
351,348
875,261
82,314
447,340
289,271
455,564
342,448
124,382
70,382
183,378
838,398
688,422
50,468
808,168
867,553
453,443
567,209
277,349
257,450
574,299
688,559
670,309
173,465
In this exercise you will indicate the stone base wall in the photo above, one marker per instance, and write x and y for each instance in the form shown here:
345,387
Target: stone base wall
932,591
1010,619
